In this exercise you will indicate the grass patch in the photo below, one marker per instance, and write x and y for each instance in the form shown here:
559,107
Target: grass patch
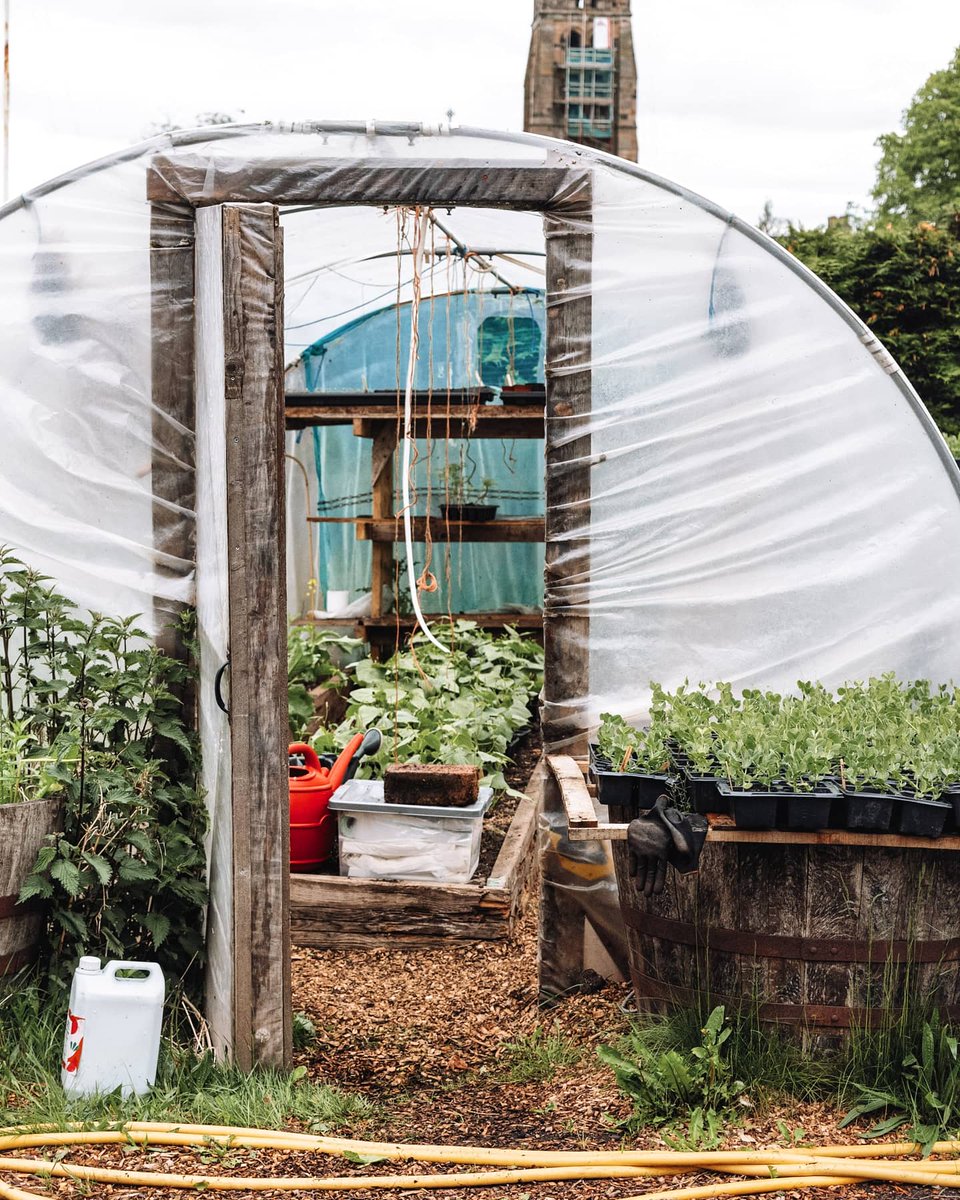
536,1056
190,1087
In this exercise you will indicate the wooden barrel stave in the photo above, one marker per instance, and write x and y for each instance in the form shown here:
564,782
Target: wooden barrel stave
23,830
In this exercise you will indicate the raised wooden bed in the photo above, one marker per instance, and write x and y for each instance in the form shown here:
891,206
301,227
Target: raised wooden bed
329,912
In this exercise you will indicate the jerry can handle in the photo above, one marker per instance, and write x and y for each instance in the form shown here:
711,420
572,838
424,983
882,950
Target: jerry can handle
150,969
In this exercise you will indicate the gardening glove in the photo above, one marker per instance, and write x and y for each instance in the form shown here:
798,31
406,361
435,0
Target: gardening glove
660,836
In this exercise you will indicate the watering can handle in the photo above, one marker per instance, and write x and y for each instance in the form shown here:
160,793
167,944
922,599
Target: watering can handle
338,772
306,752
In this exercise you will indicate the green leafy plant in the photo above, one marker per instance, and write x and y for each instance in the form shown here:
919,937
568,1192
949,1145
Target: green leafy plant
94,713
669,1085
633,750
432,707
315,657
926,1095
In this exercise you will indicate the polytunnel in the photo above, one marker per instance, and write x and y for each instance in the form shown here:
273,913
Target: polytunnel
739,482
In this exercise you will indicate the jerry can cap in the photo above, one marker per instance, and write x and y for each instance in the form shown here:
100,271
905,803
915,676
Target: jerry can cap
88,963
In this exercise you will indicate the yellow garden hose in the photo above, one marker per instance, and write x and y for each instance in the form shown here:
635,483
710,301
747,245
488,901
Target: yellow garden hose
772,1170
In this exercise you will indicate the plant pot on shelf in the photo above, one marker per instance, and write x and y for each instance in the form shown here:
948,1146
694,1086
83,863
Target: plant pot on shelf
922,818
629,791
866,811
700,788
808,812
468,512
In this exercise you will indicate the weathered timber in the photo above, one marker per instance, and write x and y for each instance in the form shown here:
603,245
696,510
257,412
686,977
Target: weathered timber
382,452
173,413
508,529
576,801
453,785
486,422
23,830
330,912
566,612
253,342
182,177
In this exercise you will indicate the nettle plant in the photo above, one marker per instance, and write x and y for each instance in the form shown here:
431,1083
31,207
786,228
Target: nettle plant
92,712
634,751
463,707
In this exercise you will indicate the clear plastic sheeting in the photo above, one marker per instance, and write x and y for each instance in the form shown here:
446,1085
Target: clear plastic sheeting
763,497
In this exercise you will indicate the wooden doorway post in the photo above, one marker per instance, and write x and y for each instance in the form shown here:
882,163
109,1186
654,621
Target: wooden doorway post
253,372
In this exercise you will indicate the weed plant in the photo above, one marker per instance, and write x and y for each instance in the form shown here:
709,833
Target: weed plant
536,1056
190,1086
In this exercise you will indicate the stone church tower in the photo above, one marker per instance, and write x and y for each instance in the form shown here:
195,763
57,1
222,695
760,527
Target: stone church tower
581,81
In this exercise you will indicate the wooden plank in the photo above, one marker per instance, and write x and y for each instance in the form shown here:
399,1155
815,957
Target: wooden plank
615,832
488,423
253,338
573,793
173,414
181,176
515,861
508,529
566,616
522,621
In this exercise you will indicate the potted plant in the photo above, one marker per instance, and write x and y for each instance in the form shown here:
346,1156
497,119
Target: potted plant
690,717
468,500
632,766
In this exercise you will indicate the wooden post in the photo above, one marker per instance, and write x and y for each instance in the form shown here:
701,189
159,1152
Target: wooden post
173,479
381,469
566,613
253,356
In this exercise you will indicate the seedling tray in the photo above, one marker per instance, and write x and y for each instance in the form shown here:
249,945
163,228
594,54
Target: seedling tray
700,789
779,806
922,818
629,790
870,812
468,512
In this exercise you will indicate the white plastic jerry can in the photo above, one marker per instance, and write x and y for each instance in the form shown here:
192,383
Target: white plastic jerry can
112,1038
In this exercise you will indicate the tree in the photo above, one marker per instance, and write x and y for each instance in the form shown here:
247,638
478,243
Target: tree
904,282
918,176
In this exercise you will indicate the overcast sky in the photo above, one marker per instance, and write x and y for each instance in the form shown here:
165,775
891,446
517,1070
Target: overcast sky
741,101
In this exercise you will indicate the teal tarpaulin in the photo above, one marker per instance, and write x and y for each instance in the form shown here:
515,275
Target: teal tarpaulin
490,339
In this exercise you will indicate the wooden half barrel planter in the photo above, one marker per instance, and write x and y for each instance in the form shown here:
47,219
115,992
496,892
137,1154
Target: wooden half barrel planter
23,830
820,930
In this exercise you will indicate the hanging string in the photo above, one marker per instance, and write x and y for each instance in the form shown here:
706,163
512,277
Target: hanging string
420,237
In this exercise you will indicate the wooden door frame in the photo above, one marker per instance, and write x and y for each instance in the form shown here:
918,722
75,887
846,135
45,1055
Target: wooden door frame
176,187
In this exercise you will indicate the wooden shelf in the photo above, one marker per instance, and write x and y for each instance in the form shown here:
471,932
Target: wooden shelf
509,529
475,421
389,622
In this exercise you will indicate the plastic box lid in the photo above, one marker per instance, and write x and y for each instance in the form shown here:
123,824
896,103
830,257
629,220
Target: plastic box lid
366,795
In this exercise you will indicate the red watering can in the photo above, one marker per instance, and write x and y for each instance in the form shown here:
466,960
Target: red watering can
312,825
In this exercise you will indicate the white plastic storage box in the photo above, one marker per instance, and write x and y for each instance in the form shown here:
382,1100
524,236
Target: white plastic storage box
406,841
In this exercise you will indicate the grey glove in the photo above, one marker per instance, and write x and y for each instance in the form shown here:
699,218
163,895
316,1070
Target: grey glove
660,836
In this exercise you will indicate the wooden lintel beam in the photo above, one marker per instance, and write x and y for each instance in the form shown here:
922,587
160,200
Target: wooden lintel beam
198,180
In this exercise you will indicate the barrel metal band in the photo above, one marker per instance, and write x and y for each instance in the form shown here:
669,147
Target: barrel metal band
796,949
822,1016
